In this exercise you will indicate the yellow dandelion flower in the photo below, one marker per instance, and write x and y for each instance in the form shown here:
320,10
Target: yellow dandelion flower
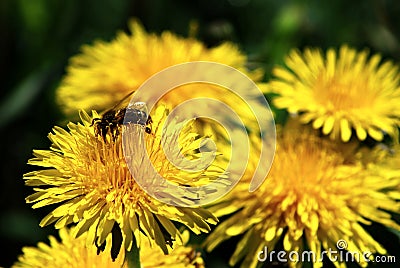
311,199
69,252
342,93
74,253
107,71
88,177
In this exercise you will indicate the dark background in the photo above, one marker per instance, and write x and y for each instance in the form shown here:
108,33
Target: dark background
37,38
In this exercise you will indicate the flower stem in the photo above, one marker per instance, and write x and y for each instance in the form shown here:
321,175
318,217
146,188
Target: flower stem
133,257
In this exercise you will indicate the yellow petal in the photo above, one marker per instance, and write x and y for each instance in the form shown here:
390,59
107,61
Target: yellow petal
270,233
361,133
328,125
318,122
375,134
330,62
345,130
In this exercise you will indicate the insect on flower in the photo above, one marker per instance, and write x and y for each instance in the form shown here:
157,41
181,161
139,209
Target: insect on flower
112,119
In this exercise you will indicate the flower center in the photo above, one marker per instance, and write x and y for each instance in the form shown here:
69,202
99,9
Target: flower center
311,178
342,92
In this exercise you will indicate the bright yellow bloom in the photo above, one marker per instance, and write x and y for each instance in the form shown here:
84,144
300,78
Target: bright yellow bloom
312,198
107,71
89,176
340,93
74,253
70,252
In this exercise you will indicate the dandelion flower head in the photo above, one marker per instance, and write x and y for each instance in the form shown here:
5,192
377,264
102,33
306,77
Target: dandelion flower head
312,198
87,178
74,253
343,93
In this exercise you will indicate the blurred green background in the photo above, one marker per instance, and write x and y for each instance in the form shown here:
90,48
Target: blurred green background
38,36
